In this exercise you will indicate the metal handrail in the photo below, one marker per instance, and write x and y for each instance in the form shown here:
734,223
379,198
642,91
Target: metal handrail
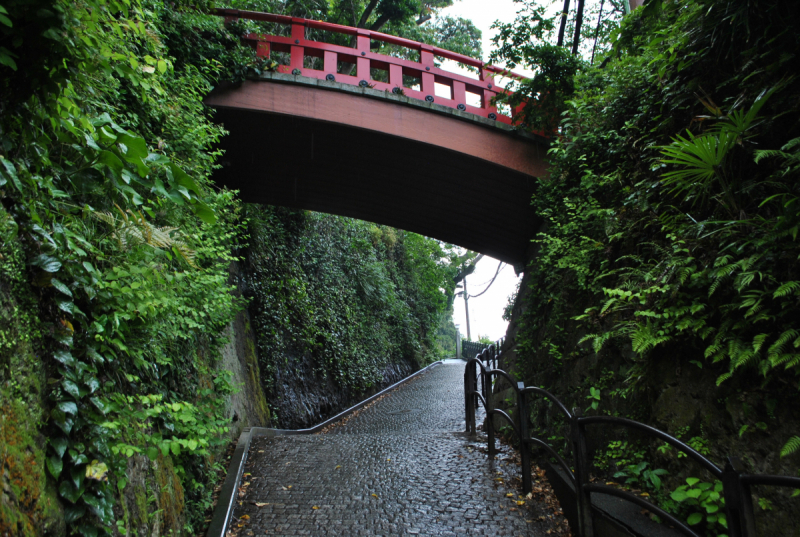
364,59
735,483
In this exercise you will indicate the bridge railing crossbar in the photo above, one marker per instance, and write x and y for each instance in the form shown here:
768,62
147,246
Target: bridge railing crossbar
485,89
736,484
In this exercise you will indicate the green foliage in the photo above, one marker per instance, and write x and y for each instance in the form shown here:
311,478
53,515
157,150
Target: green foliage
594,398
672,203
349,295
105,152
626,461
701,504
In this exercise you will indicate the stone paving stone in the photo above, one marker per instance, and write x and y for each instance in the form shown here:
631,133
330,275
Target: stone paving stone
400,466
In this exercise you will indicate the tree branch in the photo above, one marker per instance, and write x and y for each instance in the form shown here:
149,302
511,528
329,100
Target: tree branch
367,12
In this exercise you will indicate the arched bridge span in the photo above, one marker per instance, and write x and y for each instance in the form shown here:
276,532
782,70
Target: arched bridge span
313,135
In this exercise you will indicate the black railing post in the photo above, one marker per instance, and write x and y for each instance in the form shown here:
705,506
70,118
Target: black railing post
469,409
487,380
584,499
524,448
474,378
738,500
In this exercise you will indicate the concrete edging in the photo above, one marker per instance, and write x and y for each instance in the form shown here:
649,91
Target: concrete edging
227,496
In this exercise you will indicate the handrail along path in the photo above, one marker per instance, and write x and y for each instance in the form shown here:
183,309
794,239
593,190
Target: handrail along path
482,371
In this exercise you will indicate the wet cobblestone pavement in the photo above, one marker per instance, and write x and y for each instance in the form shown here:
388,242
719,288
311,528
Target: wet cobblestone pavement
400,466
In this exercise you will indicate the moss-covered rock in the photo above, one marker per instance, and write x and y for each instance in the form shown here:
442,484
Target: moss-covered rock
28,504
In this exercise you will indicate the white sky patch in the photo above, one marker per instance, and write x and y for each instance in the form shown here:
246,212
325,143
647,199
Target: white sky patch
486,311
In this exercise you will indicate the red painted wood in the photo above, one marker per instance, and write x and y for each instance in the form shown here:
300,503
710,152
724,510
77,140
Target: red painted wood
365,59
386,117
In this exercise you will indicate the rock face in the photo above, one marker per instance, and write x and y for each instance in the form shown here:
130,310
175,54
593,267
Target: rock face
302,398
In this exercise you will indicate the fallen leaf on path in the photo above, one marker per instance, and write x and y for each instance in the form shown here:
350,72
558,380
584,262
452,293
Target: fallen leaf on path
375,495
510,495
314,507
338,466
260,504
520,502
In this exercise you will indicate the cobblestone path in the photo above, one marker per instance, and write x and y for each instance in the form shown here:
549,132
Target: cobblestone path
401,466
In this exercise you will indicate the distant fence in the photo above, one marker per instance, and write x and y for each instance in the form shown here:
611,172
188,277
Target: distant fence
736,483
471,348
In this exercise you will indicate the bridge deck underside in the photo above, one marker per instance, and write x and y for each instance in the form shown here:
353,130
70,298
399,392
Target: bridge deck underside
299,162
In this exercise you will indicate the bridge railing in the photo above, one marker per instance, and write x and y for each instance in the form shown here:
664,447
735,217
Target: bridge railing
736,484
332,56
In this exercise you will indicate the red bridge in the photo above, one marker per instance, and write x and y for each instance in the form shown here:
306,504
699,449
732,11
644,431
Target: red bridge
382,144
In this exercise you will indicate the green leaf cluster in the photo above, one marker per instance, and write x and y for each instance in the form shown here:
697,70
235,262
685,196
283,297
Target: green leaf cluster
671,208
105,155
350,296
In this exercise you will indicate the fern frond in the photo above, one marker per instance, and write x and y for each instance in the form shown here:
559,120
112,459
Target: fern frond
787,289
723,377
791,446
758,342
783,339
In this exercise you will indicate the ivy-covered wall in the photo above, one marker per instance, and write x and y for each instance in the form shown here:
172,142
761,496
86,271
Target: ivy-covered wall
665,285
340,308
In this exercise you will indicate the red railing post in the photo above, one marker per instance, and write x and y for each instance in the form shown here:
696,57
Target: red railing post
362,62
426,60
330,62
262,49
298,35
396,76
459,92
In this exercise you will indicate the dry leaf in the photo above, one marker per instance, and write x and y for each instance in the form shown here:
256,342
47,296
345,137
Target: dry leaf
260,504
510,495
314,507
338,466
520,502
374,494
244,517
286,487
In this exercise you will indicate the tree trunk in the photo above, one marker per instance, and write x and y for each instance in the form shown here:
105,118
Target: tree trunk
578,23
563,23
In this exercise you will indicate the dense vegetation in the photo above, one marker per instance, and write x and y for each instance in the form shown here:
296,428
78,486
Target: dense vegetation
343,298
115,251
672,217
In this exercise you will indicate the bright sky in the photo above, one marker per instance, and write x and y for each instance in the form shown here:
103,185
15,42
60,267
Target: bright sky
486,311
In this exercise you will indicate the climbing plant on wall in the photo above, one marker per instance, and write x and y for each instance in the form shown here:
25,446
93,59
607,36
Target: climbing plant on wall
105,153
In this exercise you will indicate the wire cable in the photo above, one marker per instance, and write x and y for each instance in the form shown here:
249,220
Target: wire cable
499,266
